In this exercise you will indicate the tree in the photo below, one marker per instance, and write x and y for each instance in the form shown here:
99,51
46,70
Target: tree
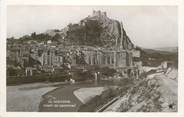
56,37
33,35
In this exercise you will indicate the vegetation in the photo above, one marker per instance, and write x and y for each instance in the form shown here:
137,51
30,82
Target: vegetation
99,100
44,77
85,35
42,37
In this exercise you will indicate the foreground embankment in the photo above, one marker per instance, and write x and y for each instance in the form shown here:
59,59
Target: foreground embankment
157,92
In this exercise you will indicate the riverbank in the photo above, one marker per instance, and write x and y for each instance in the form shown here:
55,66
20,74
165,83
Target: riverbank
26,98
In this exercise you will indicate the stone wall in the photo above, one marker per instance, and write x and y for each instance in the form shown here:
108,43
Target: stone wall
108,58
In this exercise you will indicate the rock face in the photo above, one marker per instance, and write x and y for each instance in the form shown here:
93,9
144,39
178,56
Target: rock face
156,93
98,30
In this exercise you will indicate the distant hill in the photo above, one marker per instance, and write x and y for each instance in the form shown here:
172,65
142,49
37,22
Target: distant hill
168,49
152,57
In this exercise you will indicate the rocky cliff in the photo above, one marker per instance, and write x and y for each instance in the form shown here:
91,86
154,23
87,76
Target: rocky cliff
97,30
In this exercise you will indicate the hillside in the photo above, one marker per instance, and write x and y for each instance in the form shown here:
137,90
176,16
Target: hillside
99,30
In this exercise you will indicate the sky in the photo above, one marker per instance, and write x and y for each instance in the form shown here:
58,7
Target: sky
147,26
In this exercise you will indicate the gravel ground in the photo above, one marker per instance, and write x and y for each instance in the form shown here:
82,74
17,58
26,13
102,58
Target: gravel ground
26,97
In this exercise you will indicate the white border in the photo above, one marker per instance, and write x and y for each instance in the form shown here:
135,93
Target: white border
2,56
3,4
93,2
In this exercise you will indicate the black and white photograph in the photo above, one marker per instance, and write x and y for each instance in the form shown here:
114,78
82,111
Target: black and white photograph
92,58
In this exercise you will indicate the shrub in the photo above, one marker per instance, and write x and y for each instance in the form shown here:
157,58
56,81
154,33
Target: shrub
107,71
79,75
